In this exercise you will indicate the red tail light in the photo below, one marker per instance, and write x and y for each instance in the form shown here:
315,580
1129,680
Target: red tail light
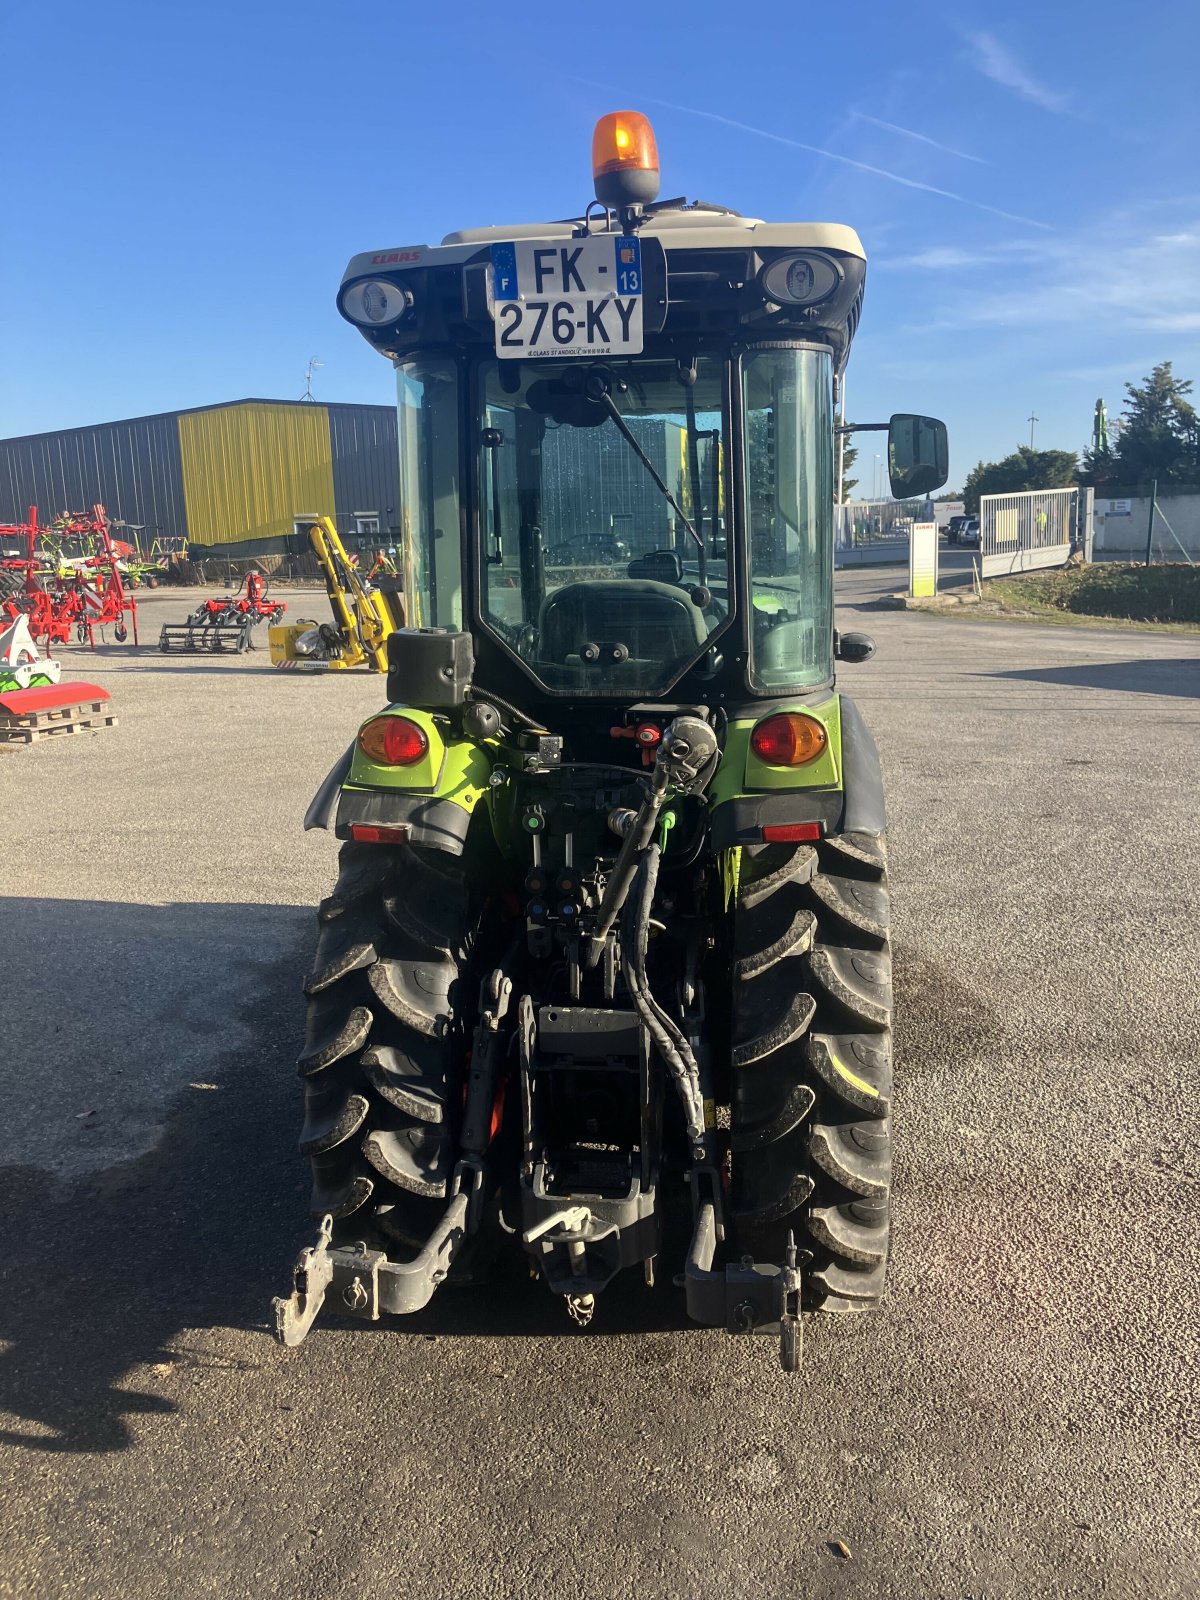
789,739
368,833
790,832
393,742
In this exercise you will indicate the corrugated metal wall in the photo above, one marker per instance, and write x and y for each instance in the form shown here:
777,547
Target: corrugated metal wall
222,475
132,468
366,465
249,470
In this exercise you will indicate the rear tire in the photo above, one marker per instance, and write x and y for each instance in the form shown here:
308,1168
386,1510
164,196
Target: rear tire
383,1056
812,1063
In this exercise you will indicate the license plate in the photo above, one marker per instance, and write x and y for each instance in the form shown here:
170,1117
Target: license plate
575,298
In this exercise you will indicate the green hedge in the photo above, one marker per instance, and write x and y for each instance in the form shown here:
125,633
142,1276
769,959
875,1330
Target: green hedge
1166,593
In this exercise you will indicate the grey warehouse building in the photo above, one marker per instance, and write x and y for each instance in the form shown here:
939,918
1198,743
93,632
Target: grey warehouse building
236,477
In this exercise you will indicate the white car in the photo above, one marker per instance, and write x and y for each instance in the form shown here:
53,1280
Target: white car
968,533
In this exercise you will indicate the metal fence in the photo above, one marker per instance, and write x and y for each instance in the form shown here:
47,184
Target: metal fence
1138,526
1033,529
874,531
230,571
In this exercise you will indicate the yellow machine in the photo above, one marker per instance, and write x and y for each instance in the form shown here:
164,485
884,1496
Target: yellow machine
364,615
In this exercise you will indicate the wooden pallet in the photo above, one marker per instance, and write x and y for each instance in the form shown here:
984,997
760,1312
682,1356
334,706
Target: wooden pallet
60,720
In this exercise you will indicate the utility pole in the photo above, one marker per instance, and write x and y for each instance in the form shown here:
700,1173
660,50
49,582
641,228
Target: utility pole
1150,524
841,459
1031,419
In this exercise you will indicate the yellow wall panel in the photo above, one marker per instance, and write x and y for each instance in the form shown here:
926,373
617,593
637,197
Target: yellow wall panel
249,470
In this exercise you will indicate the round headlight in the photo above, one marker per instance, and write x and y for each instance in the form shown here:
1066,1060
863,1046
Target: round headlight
800,280
375,302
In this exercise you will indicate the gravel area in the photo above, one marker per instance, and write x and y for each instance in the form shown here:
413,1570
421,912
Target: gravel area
1022,1418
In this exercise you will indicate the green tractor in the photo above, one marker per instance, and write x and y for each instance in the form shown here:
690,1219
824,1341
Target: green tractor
606,973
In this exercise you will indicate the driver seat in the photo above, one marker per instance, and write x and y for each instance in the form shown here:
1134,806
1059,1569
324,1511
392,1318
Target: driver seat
656,621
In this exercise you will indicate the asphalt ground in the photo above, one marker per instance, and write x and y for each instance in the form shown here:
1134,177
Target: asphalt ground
1021,1419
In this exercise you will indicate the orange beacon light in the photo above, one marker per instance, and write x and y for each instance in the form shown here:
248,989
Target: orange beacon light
625,160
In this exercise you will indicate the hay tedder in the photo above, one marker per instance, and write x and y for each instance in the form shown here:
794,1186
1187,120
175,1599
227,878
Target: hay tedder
226,623
603,987
88,595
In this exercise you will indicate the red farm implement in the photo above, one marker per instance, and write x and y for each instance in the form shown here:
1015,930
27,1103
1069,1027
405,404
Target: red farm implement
21,592
92,595
97,594
227,623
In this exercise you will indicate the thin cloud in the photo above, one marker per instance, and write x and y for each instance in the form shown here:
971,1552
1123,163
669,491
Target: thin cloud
832,155
997,62
1109,372
1132,287
948,258
911,133
936,260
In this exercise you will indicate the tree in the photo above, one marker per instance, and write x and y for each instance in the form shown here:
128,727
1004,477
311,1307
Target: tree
1099,467
1024,469
850,456
1159,432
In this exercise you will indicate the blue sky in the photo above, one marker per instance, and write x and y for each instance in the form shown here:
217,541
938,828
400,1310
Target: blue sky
183,186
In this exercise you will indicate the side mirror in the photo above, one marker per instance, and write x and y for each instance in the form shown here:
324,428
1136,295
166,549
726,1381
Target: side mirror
854,647
918,455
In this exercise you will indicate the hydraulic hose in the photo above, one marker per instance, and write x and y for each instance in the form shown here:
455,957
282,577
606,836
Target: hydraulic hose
626,865
668,1037
685,761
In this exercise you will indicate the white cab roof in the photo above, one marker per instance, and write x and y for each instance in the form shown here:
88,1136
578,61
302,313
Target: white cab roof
692,230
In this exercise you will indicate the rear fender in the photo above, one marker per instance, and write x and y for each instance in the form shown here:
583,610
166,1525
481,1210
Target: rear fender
434,799
324,803
842,791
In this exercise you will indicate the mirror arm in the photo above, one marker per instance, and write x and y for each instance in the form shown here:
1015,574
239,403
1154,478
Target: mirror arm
862,427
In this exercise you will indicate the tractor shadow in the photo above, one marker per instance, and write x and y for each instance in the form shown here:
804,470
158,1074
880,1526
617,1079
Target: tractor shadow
1176,676
102,1273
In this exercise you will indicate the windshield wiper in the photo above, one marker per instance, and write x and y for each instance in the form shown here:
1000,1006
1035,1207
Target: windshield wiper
606,400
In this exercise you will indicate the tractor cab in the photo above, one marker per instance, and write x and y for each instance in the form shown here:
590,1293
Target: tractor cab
617,441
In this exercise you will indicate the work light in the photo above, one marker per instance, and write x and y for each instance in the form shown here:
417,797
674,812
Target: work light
800,280
375,302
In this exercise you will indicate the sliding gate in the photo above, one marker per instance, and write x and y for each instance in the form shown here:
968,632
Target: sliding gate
874,532
1037,528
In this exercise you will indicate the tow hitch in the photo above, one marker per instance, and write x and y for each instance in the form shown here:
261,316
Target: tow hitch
751,1297
365,1282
